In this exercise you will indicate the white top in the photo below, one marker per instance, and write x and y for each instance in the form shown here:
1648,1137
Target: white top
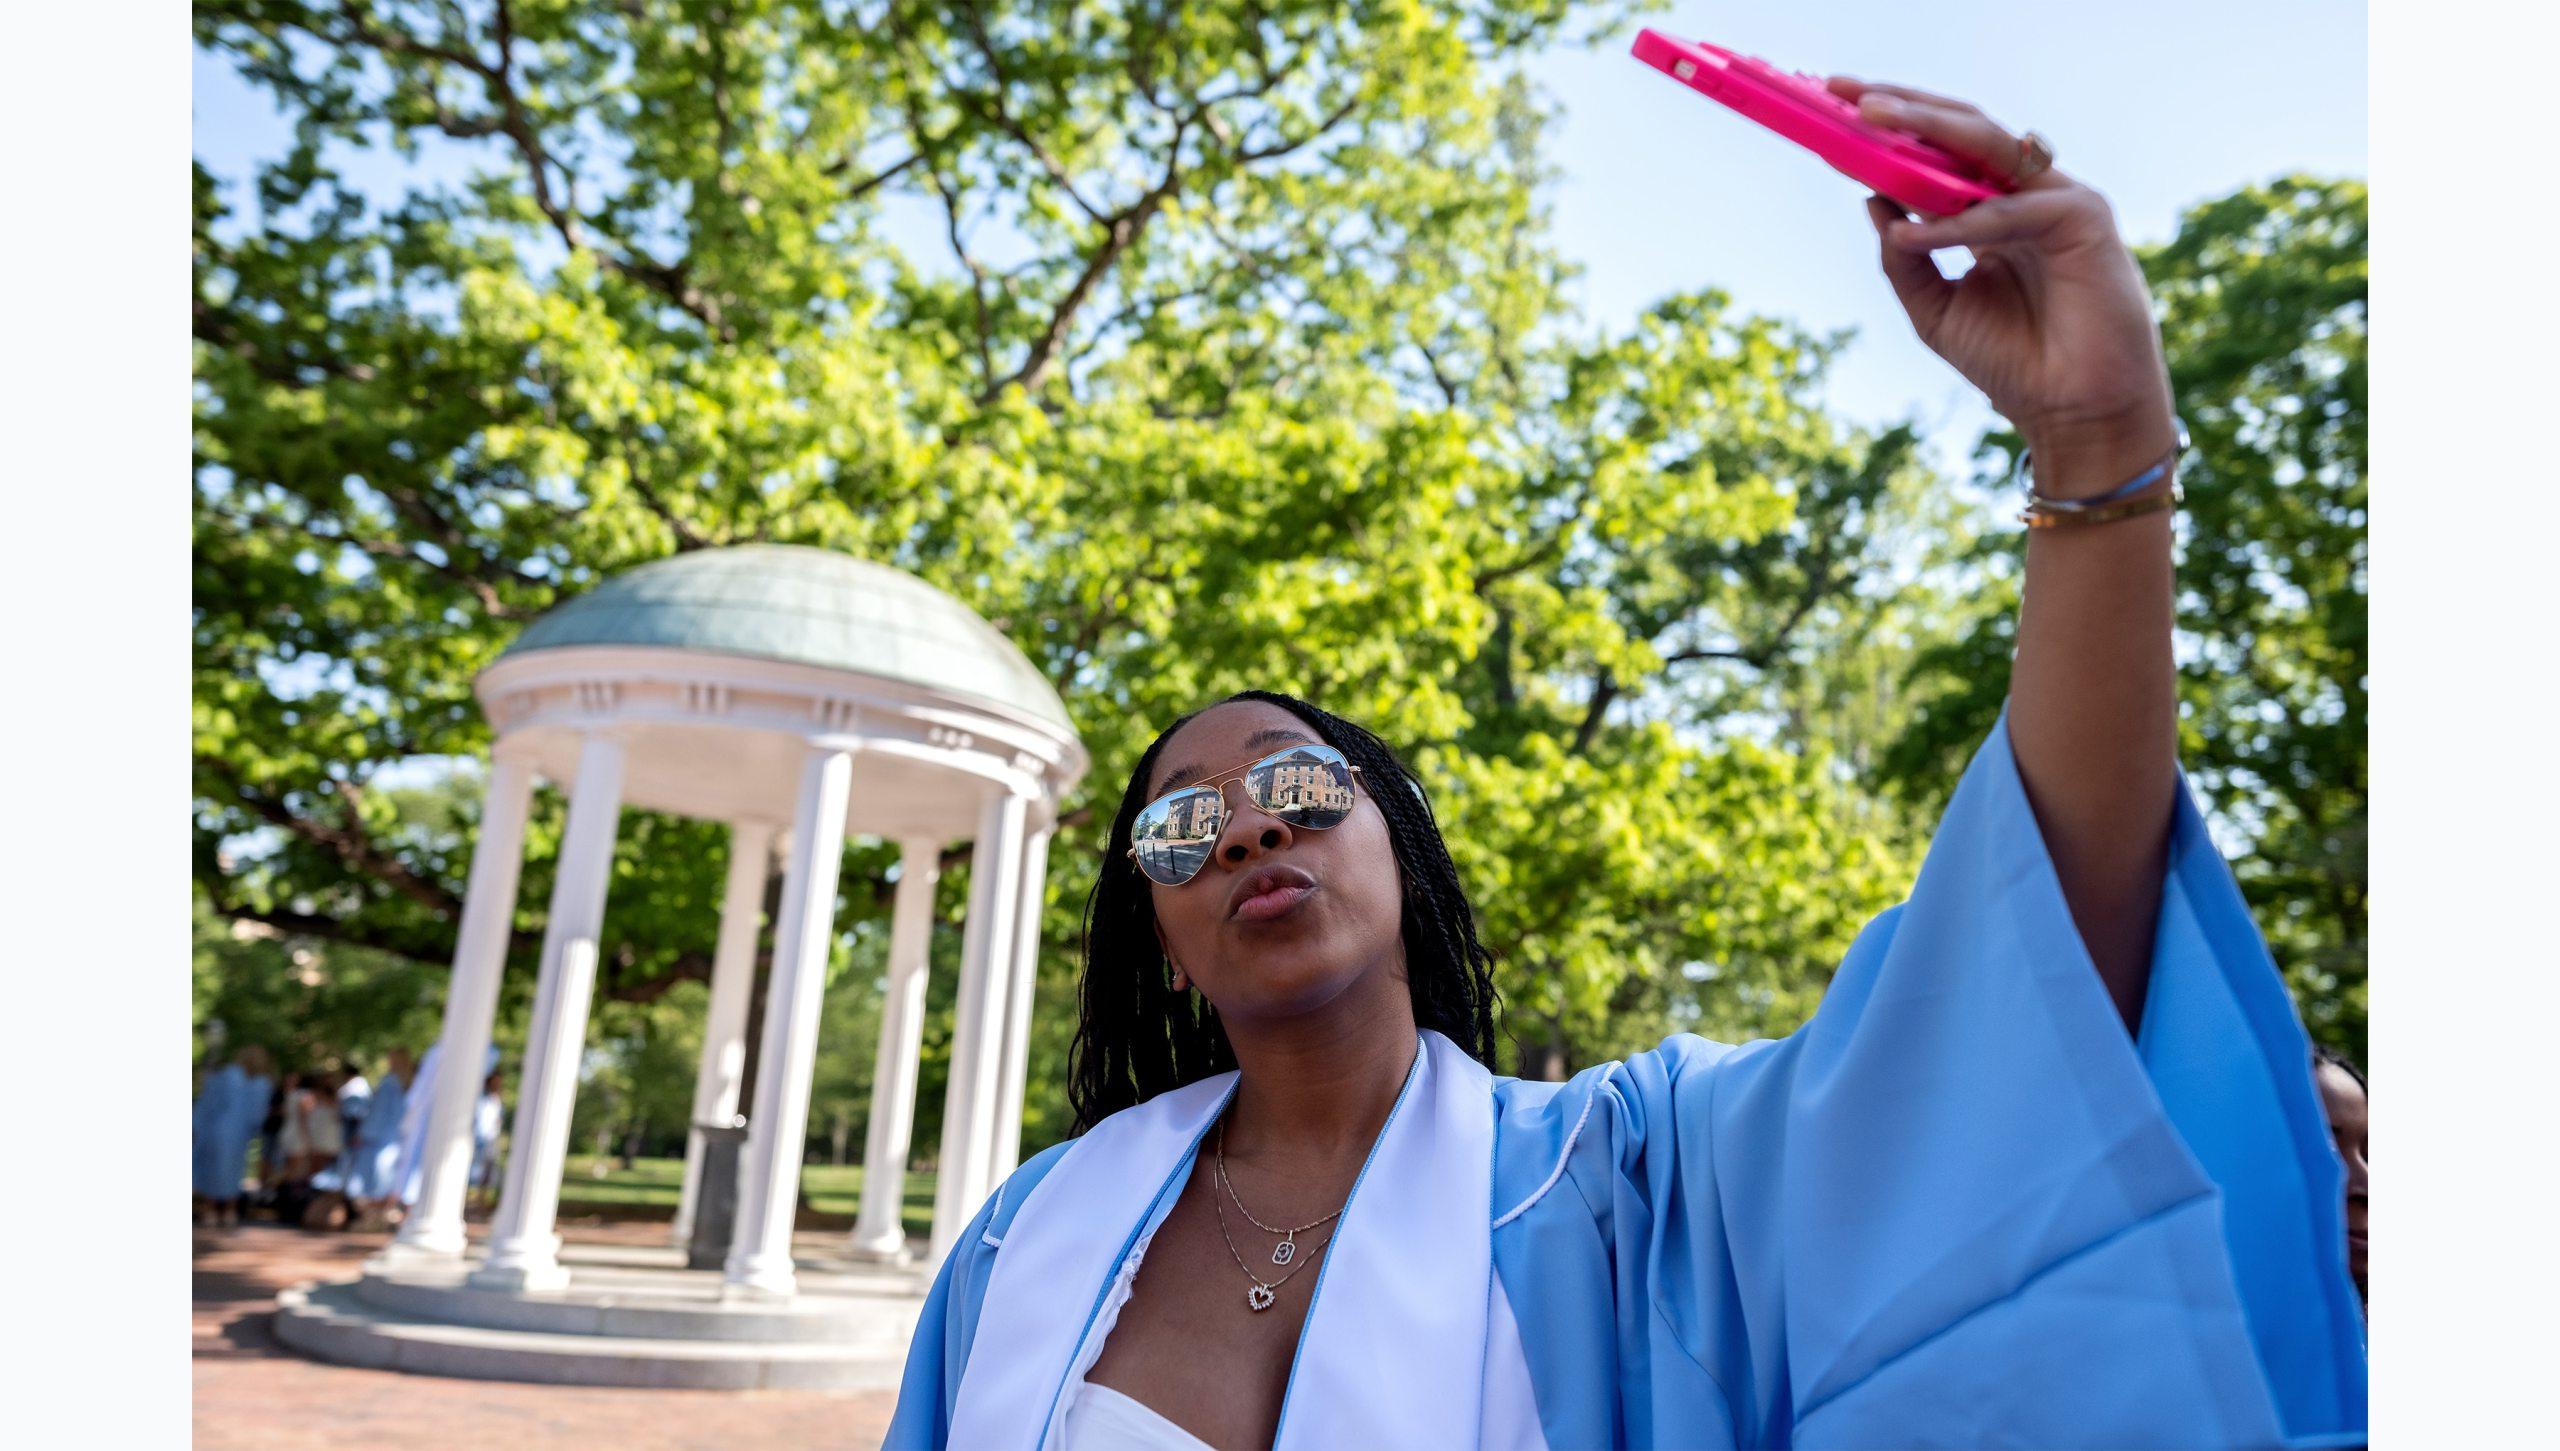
1102,1419
310,1127
1092,1417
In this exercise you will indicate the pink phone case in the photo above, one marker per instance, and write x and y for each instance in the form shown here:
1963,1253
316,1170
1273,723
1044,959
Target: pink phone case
1919,175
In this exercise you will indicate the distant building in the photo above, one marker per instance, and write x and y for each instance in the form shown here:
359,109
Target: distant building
1305,781
1195,816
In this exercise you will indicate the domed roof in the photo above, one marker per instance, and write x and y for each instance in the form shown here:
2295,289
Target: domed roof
809,606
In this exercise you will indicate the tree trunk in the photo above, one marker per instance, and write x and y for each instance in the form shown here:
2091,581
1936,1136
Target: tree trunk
844,1128
1548,1063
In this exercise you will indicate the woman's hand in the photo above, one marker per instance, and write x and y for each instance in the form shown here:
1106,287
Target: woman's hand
2052,323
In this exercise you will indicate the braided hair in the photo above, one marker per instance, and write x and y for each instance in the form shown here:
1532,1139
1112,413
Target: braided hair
1137,1037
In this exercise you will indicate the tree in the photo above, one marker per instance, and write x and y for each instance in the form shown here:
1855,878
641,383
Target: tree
1236,357
2261,296
313,1005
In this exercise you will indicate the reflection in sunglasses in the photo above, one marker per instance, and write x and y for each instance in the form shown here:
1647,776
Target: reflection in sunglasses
1307,786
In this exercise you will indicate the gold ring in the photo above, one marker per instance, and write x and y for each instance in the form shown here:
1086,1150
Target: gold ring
2035,157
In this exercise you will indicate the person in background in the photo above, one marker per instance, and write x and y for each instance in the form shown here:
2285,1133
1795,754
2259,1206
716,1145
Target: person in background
408,1169
311,1137
488,1120
307,1144
2342,1096
374,1183
355,1095
270,1138
228,1111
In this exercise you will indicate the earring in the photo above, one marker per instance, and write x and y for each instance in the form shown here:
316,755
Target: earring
1181,979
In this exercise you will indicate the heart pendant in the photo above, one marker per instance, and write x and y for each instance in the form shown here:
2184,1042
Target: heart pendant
1260,1296
1284,1252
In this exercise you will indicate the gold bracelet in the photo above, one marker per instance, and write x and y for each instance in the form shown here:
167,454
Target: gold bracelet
2039,514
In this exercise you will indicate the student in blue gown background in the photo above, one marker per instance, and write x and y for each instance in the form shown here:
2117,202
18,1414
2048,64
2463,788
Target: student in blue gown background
409,1164
2046,1169
229,1111
412,1171
374,1166
355,1096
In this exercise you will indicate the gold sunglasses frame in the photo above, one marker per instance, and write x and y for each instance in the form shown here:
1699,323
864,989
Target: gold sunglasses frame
1219,782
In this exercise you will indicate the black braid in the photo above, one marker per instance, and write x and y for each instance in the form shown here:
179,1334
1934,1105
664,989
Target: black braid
1136,1037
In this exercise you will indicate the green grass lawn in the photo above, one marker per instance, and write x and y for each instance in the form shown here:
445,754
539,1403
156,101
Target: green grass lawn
830,1195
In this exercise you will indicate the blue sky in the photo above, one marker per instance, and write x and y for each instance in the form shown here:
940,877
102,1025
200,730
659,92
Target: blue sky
2160,105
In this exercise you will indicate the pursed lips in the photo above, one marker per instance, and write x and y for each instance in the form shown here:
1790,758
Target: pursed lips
1267,882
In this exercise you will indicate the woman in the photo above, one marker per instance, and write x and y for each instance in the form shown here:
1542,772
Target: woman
228,1112
2343,1100
373,1177
310,1140
2046,1168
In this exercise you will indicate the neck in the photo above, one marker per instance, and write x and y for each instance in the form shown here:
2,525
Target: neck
1321,1085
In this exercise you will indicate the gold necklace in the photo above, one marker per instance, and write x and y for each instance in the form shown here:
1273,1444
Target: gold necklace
1264,1294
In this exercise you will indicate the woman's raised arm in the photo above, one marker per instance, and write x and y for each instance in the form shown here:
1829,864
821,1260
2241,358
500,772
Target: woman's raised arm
2054,325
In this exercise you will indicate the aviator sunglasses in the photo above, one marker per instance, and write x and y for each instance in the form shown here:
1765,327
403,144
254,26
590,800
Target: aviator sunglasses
1306,786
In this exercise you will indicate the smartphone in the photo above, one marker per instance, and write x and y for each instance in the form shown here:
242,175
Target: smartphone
1922,176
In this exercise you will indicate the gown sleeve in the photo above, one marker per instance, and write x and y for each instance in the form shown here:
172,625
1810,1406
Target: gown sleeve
1964,1207
940,1349
939,1352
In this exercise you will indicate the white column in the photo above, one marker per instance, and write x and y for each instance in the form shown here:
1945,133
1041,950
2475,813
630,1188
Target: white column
724,1028
968,1118
524,1253
433,1230
1004,1150
759,1265
878,1233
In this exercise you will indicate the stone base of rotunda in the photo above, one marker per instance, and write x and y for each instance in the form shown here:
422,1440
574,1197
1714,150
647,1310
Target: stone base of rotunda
628,1315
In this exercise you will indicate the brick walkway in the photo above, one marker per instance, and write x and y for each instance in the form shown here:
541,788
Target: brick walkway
253,1394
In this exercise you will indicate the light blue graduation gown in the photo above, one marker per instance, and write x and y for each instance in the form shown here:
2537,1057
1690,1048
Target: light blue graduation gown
1960,1207
418,1107
374,1168
228,1114
410,1167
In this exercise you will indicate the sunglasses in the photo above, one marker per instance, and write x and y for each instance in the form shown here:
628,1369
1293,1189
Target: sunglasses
1305,786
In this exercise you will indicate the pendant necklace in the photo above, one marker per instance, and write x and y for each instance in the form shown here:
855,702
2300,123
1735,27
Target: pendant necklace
1264,1293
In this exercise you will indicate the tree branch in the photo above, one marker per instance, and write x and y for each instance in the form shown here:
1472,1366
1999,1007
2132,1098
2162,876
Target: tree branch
985,321
687,537
1119,233
348,843
1604,691
1283,148
999,115
514,121
620,987
468,562
481,589
1821,575
872,183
